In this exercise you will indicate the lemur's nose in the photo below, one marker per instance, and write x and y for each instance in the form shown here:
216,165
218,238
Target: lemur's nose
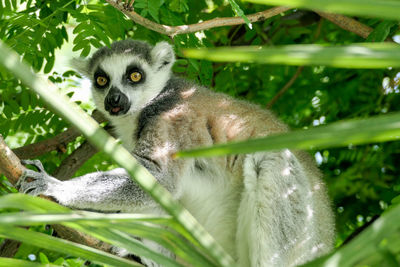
116,102
115,99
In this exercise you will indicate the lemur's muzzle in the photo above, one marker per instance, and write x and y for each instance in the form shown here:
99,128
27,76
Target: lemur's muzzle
116,102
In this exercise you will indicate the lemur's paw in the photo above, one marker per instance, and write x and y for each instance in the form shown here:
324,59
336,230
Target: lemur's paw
35,182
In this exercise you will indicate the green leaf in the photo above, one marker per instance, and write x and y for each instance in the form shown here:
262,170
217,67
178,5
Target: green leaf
206,73
49,65
27,202
81,27
95,7
7,262
85,52
140,4
178,6
25,96
95,43
377,129
80,45
365,55
144,226
43,258
57,244
389,9
129,243
381,32
239,12
154,7
64,33
396,200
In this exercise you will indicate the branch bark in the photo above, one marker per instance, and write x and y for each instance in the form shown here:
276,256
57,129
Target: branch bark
74,161
347,23
181,29
12,168
59,141
78,157
10,164
342,21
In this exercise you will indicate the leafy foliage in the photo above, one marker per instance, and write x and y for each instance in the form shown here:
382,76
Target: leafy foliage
363,180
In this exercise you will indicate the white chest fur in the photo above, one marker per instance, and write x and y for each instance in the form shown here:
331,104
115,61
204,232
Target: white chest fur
213,201
125,128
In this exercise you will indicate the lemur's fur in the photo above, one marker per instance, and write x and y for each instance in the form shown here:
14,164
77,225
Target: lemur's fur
265,209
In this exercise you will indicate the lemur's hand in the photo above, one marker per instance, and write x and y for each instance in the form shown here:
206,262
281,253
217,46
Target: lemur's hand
36,183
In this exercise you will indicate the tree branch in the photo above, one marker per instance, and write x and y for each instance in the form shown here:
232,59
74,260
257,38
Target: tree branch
208,24
347,23
74,161
10,164
342,21
78,157
45,146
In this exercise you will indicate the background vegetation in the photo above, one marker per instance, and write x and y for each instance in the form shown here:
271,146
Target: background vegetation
363,180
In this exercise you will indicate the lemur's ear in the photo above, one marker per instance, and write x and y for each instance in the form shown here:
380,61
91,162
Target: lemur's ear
81,65
163,55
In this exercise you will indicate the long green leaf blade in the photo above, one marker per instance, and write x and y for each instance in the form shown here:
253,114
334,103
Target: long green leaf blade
377,129
239,12
8,262
129,243
139,225
168,239
57,244
389,9
30,218
366,55
27,202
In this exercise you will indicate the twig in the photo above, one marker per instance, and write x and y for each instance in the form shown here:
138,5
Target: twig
347,23
285,87
208,24
131,3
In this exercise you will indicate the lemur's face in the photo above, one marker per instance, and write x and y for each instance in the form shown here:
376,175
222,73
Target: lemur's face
124,83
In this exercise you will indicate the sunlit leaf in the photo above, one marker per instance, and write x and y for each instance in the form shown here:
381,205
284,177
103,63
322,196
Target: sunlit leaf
381,32
7,262
367,55
57,244
145,226
376,129
239,12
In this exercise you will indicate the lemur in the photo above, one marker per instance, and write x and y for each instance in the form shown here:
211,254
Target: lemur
265,208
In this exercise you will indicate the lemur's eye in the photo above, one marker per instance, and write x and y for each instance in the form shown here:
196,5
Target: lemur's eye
135,76
101,81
